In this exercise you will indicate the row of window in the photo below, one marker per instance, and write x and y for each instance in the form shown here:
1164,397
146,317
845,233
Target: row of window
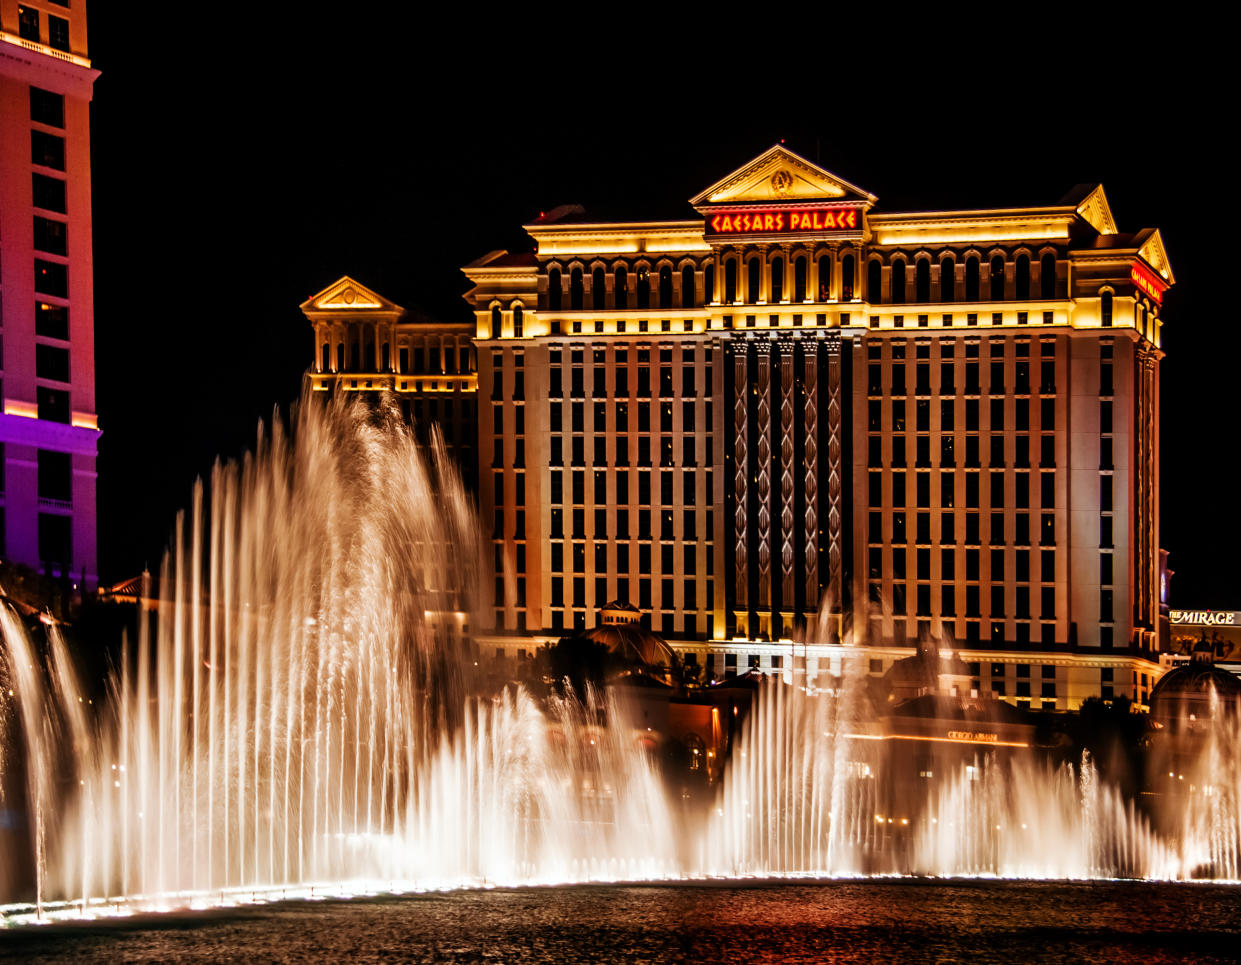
997,413
57,27
897,383
357,347
620,490
898,529
904,286
1022,571
900,290
620,416
895,482
948,601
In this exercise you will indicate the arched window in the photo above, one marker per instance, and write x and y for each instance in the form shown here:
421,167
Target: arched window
777,280
643,288
972,272
1144,320
496,330
553,290
846,276
730,281
1047,276
687,287
577,293
799,279
598,290
898,281
517,321
368,349
874,276
1021,279
947,280
622,287
753,283
997,278
708,283
387,358
922,281
825,277
340,356
665,287
325,357
1105,310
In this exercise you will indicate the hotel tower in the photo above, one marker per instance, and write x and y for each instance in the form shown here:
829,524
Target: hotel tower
48,428
792,407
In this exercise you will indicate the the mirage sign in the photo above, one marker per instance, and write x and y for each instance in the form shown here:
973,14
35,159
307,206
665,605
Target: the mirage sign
1218,629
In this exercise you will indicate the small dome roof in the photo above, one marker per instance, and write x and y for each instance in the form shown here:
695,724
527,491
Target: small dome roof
1194,681
631,642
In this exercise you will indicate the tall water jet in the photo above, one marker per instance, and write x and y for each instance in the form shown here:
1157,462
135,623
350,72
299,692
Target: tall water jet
300,711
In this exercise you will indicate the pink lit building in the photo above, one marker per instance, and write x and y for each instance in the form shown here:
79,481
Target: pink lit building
48,428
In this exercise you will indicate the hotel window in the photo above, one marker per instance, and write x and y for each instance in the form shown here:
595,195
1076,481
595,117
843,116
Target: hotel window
643,288
665,287
46,107
47,150
51,278
753,279
898,281
622,287
517,320
57,33
777,279
1105,310
972,284
48,193
50,236
1047,276
577,294
56,541
922,281
688,299
28,24
846,276
1022,278
997,278
553,290
598,290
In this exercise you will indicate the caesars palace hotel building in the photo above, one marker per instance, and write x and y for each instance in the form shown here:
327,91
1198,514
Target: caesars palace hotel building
794,409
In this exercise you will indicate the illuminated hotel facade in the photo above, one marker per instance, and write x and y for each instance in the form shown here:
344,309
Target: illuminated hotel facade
935,426
48,427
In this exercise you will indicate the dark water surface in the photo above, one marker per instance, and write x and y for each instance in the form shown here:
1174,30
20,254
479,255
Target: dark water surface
866,921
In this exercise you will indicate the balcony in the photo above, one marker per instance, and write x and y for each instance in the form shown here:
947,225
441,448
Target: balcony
39,48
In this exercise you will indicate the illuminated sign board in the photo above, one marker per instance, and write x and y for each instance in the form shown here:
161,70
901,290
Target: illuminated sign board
973,736
1195,631
1147,282
769,221
1204,618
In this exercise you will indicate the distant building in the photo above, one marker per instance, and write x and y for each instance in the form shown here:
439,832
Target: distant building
943,425
365,343
48,427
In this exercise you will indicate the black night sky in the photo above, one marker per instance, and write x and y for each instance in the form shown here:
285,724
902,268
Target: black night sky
241,165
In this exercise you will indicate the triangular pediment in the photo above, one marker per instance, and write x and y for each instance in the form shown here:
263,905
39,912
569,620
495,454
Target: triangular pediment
1157,256
345,295
1096,212
779,175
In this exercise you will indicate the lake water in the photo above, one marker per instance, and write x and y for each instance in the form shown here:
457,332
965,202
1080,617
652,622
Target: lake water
894,920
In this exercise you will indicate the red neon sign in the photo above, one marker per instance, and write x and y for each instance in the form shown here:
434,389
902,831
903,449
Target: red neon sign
774,221
1147,282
